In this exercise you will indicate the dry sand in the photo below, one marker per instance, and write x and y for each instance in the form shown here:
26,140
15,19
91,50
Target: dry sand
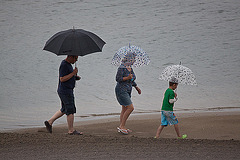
211,135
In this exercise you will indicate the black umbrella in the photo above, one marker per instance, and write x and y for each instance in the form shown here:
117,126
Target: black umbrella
77,42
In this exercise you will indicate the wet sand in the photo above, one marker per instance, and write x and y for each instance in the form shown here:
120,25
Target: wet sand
211,135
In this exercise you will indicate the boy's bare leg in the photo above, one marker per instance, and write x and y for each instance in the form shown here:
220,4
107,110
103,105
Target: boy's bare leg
177,130
159,130
57,115
125,116
70,120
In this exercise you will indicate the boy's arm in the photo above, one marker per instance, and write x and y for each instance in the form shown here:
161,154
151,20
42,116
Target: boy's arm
173,99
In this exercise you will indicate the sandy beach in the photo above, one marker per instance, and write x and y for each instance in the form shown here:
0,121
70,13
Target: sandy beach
201,35
211,135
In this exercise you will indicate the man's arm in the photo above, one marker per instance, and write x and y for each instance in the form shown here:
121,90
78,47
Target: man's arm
69,76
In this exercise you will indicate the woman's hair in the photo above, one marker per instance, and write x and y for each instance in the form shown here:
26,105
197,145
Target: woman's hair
129,57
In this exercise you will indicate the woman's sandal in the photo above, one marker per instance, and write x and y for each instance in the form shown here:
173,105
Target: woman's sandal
76,133
123,131
128,130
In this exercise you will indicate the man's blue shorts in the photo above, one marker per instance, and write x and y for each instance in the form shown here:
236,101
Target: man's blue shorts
168,118
68,104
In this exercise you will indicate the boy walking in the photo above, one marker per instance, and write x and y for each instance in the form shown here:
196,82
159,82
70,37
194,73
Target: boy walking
167,115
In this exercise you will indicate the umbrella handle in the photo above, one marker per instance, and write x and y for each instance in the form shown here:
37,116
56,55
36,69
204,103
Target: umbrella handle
75,66
76,74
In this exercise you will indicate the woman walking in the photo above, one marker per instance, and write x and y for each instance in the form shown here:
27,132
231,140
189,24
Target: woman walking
125,80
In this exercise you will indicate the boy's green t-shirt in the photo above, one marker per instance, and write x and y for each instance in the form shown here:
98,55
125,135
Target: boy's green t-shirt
169,94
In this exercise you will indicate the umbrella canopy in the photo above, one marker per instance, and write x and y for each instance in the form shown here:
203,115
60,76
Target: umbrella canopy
131,55
183,74
77,42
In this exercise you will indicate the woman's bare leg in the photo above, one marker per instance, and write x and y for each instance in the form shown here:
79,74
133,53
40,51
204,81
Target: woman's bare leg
124,115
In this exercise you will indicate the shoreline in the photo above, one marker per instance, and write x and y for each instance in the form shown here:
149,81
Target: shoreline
198,125
211,135
96,118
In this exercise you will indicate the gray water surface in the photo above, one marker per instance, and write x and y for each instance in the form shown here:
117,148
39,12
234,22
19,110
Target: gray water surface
203,35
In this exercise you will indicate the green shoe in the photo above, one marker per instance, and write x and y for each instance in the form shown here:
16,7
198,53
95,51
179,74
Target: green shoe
183,137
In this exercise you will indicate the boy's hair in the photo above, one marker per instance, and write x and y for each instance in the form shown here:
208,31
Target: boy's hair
171,83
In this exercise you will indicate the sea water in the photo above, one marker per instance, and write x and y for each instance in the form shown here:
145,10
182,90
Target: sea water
203,35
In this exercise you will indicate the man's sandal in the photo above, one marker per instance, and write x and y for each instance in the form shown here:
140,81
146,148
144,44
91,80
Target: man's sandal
76,133
48,126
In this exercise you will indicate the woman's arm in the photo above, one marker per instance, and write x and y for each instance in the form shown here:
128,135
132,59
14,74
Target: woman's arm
130,76
138,89
120,74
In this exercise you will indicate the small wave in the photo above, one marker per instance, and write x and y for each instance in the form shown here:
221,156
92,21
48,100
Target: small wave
168,64
140,111
69,2
210,109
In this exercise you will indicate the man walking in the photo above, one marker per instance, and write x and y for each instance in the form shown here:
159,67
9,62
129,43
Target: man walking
67,79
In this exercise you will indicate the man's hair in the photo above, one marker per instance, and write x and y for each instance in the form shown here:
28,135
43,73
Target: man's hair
71,56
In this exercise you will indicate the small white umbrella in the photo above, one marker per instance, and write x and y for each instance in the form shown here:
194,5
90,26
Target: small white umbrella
183,74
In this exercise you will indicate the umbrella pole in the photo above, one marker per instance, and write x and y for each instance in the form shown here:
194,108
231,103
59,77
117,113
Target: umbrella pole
76,74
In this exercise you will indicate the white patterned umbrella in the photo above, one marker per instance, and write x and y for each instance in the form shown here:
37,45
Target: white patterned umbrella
183,74
131,54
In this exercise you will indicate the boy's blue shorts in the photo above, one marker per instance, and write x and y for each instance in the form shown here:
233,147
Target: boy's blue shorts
68,104
168,118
